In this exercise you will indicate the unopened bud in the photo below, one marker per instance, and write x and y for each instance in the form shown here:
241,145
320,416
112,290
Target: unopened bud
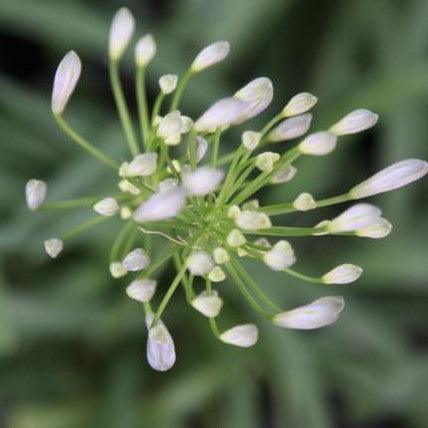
291,128
145,50
265,161
356,121
217,274
53,247
117,269
210,55
377,230
121,31
280,257
251,139
356,217
168,83
141,290
143,165
284,174
221,256
208,304
299,104
160,346
253,220
304,202
199,263
35,193
244,335
343,274
235,238
136,260
106,207
318,144
203,180
169,128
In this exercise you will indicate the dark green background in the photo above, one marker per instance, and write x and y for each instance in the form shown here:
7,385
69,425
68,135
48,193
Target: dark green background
72,345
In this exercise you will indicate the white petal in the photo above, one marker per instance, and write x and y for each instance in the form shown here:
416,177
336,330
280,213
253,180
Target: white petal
393,177
284,174
251,139
143,165
265,161
354,218
299,104
253,220
169,128
379,229
291,128
168,183
208,304
201,148
356,121
235,238
160,346
280,257
343,274
145,50
304,202
121,31
136,260
168,83
210,55
141,290
117,269
221,256
320,313
199,263
66,78
107,207
35,193
203,180
217,274
244,335
53,247
318,144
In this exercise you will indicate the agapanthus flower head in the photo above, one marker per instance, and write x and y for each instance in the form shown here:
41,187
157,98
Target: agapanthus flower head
181,185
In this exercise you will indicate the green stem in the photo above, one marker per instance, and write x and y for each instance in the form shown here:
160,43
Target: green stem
120,240
214,157
157,106
84,143
180,89
142,103
303,277
154,266
286,231
214,328
122,107
82,227
71,203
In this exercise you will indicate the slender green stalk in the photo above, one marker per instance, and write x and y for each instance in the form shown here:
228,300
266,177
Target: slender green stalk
214,154
184,280
286,231
120,241
157,106
70,203
224,160
143,112
271,123
180,89
84,143
304,277
82,227
214,328
122,108
191,148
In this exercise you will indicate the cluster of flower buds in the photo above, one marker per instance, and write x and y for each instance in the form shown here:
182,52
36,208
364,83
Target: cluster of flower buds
178,188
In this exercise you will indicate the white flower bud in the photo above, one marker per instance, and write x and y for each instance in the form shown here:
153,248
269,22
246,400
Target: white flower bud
304,202
168,183
251,139
217,274
262,242
284,174
356,121
107,207
253,220
121,31
320,313
136,260
210,55
123,169
220,115
160,346
233,212
379,229
35,193
145,50
235,238
257,95
318,144
125,213
161,205
53,247
186,124
66,78
168,83
202,180
291,128
343,274
397,175
141,290
208,304
221,256
199,263
201,148
241,252
265,161
299,104
251,205
280,257
244,335
127,187
143,165
117,269
169,128
356,217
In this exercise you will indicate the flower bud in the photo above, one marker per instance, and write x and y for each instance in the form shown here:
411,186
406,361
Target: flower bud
217,274
280,257
202,180
208,304
66,78
265,161
257,96
143,165
356,121
186,124
318,144
35,193
356,217
343,274
284,174
168,83
253,220
125,213
379,229
199,263
320,313
233,212
160,346
117,269
262,242
169,128
168,183
244,335
107,207
201,148
221,256
145,50
235,238
220,115
291,128
299,104
136,260
121,31
53,247
210,55
251,205
141,290
251,139
127,187
241,252
304,202
393,177
161,205
123,169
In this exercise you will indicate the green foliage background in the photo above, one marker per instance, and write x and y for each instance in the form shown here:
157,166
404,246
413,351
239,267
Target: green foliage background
72,345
